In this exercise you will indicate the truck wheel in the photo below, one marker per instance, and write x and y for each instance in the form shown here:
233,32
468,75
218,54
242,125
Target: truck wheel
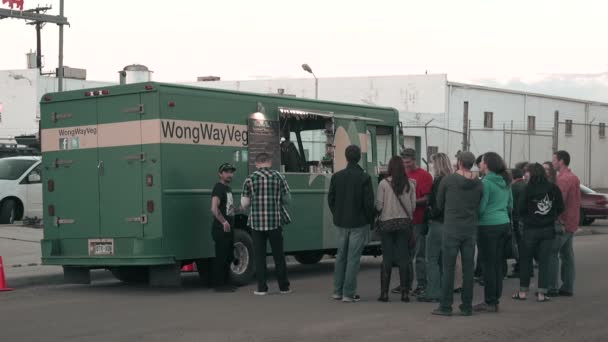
242,269
203,267
588,222
131,275
8,212
309,258
582,219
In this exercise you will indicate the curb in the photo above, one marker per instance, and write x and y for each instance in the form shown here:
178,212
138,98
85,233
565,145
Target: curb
590,231
584,232
52,279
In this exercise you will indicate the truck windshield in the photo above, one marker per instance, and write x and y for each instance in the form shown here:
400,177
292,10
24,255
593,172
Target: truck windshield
12,169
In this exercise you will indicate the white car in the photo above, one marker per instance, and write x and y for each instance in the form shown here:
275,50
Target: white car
20,188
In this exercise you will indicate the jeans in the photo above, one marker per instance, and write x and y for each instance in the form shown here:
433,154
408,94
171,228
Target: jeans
491,241
224,244
535,241
396,248
260,239
562,248
455,239
433,255
419,255
351,242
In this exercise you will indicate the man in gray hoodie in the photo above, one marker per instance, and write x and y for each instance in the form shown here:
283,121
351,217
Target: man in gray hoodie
459,195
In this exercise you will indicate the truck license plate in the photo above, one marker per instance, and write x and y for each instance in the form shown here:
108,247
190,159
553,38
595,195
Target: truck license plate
101,247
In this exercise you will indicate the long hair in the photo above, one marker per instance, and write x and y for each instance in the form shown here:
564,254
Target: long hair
552,176
441,164
396,171
538,175
497,165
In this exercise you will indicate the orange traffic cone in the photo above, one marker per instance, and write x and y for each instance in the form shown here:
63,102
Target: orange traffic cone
2,279
189,267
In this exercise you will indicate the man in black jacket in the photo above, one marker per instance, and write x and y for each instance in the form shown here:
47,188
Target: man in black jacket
351,201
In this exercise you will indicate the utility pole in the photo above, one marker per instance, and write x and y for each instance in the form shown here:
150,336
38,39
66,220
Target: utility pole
34,17
38,25
60,69
556,131
465,127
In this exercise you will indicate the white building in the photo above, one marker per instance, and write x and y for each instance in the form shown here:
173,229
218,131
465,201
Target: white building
494,116
20,94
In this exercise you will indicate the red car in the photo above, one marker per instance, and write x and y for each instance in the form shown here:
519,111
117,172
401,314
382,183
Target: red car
593,206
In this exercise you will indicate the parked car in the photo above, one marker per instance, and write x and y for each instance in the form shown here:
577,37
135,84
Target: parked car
593,206
20,188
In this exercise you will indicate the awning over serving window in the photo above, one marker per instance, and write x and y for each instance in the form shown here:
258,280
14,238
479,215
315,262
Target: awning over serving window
303,114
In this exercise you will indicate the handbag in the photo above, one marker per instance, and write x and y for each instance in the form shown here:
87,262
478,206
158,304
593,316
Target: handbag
511,249
393,225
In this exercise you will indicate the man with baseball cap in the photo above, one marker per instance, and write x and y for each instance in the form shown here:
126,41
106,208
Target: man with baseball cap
222,208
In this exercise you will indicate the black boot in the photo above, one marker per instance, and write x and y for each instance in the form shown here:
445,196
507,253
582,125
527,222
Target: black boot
403,279
385,281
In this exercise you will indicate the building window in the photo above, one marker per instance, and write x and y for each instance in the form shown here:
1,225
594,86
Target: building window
488,120
568,127
430,150
531,123
602,130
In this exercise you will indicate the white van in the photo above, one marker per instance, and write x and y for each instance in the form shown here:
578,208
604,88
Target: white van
20,188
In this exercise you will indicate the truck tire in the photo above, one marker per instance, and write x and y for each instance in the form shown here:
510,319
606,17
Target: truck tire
8,212
242,269
309,258
131,274
584,221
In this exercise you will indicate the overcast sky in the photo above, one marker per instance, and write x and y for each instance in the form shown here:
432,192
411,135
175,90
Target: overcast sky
515,43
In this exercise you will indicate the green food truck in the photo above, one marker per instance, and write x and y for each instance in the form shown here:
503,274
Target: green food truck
128,172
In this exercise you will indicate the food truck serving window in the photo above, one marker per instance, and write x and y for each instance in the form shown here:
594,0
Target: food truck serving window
307,141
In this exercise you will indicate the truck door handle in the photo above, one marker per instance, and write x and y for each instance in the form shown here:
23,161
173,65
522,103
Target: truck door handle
100,167
137,110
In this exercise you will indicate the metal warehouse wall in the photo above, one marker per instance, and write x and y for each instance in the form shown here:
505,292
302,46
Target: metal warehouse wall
513,109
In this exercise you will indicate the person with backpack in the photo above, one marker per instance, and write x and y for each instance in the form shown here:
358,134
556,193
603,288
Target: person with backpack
540,205
395,201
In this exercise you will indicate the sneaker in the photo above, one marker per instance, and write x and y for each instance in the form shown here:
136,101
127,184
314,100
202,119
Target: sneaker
336,297
426,299
483,307
465,310
288,291
355,299
439,312
419,291
396,290
260,293
465,313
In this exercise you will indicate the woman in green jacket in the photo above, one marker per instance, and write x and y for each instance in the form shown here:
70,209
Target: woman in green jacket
494,227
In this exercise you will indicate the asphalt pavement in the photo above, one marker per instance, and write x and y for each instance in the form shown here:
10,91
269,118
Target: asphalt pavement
108,310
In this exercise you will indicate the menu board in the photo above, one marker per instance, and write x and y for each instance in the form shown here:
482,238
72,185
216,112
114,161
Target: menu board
263,136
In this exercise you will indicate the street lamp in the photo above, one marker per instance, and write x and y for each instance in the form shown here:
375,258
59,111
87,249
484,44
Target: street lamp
307,68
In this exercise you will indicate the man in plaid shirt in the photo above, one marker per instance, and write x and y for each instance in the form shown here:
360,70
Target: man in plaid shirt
266,194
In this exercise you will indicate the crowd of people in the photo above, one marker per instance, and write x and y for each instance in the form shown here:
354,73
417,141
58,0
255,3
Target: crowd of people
443,230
